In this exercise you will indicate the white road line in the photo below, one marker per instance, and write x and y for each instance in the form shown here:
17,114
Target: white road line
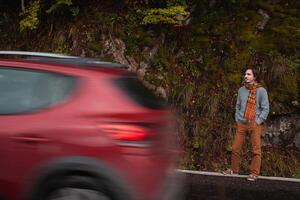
239,176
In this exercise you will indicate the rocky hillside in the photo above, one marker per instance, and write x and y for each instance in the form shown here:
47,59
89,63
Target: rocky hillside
192,53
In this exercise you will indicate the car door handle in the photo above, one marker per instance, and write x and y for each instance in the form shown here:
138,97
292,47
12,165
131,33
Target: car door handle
31,139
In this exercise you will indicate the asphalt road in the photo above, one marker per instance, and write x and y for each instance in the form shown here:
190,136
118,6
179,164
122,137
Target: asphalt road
215,186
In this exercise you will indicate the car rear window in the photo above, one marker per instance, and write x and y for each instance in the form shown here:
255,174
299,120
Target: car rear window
138,92
24,91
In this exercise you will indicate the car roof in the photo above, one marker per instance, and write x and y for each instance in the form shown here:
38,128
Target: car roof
54,58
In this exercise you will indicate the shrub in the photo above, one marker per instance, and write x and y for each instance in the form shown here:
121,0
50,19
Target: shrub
30,20
175,15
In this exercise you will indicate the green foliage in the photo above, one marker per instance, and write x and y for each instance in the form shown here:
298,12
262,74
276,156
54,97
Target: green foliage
105,17
60,45
30,20
58,4
176,3
293,62
284,73
171,15
280,162
296,174
74,11
234,78
134,34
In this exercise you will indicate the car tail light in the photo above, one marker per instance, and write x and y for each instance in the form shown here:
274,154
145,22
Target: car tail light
129,134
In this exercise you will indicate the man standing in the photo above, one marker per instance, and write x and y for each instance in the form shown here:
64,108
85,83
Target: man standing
252,109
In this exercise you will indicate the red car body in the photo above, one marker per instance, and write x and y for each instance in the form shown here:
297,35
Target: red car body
96,137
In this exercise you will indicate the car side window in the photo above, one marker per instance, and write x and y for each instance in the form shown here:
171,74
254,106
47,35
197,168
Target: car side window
138,92
23,91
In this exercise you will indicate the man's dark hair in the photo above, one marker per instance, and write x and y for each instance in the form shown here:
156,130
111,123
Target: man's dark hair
255,74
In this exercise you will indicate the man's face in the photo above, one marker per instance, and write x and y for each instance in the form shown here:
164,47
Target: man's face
249,77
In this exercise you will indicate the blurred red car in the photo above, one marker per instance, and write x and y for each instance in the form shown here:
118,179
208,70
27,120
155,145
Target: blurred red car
78,128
